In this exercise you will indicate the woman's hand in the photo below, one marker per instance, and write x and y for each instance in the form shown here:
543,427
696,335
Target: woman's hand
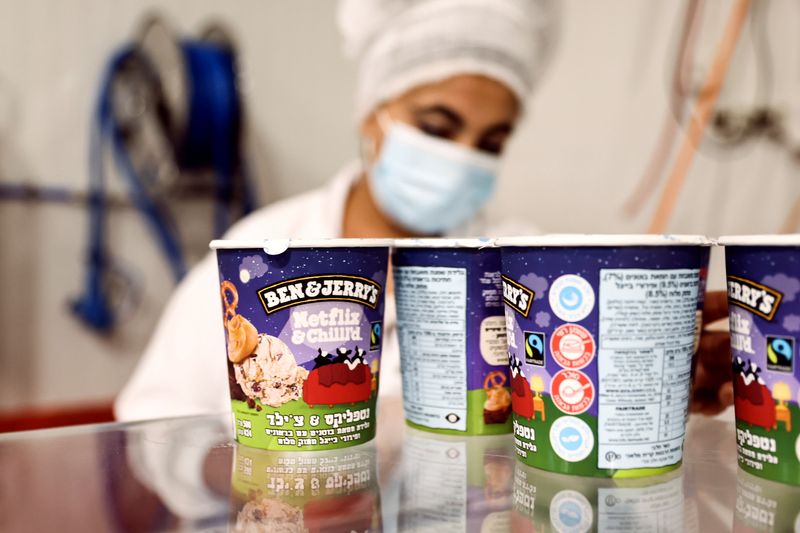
712,389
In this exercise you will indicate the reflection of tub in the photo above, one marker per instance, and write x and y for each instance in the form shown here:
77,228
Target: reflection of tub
763,505
312,491
544,501
454,483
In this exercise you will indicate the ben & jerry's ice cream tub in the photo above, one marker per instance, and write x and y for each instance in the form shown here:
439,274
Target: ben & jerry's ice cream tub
303,325
305,492
452,335
601,332
763,274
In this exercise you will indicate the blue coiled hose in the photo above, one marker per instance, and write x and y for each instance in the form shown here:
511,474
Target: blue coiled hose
211,140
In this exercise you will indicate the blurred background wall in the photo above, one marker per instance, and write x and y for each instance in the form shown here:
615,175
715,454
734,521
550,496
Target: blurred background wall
585,145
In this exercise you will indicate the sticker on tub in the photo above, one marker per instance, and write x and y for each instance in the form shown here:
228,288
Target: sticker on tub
572,346
572,391
571,439
571,298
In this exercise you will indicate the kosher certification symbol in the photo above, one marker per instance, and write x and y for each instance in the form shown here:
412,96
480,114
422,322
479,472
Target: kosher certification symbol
571,438
571,391
572,346
571,298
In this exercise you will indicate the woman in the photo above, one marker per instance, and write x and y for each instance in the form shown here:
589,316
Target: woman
441,85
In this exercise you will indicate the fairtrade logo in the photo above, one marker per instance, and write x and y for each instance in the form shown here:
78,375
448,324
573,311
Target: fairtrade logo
571,391
571,439
375,335
572,346
534,348
570,511
780,353
571,298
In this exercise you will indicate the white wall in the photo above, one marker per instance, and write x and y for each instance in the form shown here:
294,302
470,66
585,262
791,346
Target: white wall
298,88
598,114
589,133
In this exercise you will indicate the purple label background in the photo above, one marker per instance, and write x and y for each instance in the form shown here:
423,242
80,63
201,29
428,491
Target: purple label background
266,270
777,268
477,262
538,268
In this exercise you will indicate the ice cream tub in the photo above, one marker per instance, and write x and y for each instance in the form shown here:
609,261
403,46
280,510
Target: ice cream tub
303,325
763,277
301,492
602,330
451,329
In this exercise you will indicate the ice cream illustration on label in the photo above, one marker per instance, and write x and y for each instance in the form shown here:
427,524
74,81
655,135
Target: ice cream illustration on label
242,335
271,374
265,367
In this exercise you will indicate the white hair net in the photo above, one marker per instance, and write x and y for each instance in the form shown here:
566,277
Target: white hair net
402,44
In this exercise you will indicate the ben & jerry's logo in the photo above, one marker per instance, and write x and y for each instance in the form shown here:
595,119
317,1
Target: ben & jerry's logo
517,296
320,288
754,297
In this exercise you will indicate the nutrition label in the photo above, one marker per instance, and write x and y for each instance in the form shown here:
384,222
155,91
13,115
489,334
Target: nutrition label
431,306
647,331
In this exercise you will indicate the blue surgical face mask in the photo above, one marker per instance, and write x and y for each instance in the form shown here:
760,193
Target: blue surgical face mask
429,185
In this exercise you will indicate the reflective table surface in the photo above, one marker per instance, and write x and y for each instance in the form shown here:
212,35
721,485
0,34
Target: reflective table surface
187,474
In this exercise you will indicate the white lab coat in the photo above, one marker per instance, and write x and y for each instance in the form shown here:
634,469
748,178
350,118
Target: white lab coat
183,370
